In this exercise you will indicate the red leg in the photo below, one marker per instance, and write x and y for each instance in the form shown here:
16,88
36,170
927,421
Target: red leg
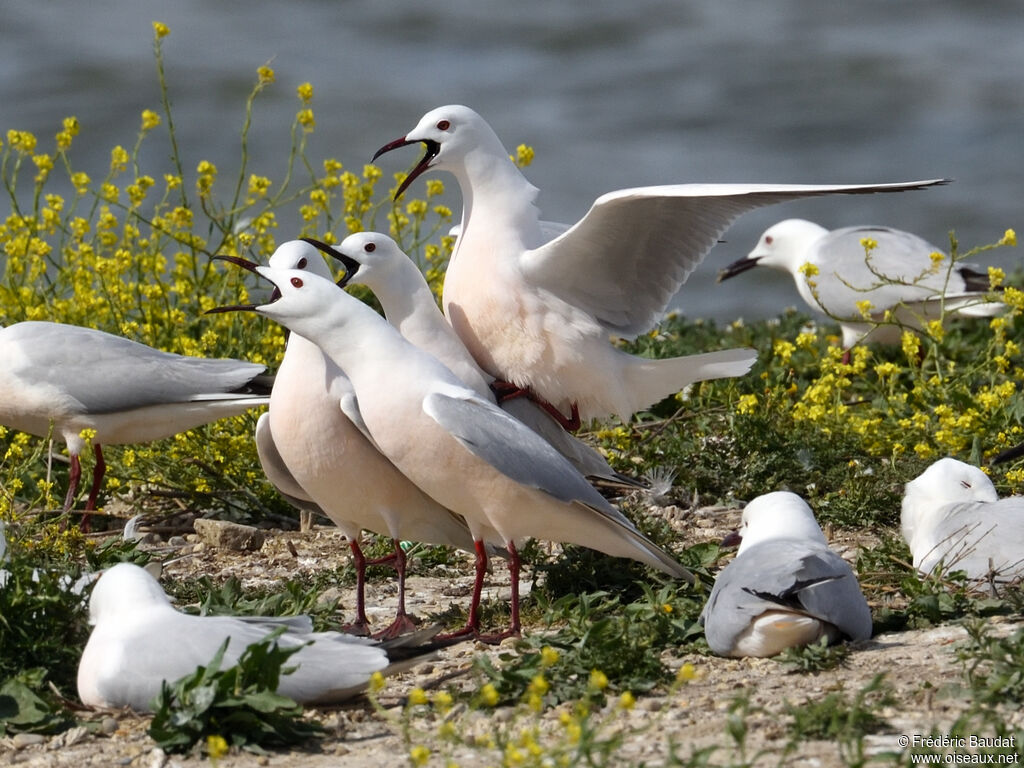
360,626
98,471
73,479
514,629
403,621
504,390
473,624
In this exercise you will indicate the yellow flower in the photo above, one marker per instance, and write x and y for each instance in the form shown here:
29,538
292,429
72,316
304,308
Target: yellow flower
489,695
419,755
266,75
868,244
216,746
1009,238
995,277
377,682
524,155
864,307
417,696
306,119
808,270
935,329
627,700
150,120
160,29
548,656
686,673
305,91
598,680
746,404
539,684
435,187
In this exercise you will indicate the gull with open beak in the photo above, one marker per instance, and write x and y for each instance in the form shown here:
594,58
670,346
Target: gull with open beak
313,449
460,449
538,313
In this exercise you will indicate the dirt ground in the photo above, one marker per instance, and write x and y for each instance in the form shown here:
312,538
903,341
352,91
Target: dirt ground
920,669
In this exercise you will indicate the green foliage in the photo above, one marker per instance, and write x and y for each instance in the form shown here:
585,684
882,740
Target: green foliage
239,704
837,717
994,666
597,630
815,657
22,710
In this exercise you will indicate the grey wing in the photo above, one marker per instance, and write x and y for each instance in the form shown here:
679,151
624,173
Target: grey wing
513,449
898,269
106,373
332,668
794,576
277,472
983,539
630,254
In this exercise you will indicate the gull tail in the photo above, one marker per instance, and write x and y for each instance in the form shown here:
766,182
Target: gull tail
649,381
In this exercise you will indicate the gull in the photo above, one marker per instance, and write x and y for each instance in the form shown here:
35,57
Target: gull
953,520
459,448
785,588
313,452
68,378
538,312
376,261
897,272
139,641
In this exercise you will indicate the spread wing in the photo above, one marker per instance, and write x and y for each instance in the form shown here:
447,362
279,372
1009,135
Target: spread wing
630,254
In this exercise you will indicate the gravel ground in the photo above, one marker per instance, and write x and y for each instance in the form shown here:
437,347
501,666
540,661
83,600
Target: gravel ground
920,668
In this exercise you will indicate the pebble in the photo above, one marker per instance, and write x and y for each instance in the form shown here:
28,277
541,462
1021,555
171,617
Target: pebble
22,740
108,725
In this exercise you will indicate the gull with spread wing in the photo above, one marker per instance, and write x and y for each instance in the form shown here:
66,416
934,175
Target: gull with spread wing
538,312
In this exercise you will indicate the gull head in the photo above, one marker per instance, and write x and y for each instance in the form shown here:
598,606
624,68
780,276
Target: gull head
449,135
370,258
945,482
122,590
301,254
778,515
783,246
301,301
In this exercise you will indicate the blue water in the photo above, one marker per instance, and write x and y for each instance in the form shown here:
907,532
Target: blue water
610,95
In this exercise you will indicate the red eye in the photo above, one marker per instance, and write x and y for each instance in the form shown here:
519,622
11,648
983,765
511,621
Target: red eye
370,247
297,282
768,239
302,264
443,125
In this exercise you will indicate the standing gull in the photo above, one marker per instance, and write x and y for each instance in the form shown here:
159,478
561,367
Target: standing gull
313,450
895,271
538,313
139,641
74,379
785,588
953,520
460,449
375,260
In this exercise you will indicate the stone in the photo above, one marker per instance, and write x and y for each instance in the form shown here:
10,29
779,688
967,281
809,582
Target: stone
221,534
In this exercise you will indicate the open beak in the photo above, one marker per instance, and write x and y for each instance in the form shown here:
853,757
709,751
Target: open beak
350,264
428,157
737,267
251,267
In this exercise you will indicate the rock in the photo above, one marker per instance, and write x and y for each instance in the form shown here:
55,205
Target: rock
108,725
224,535
22,740
68,738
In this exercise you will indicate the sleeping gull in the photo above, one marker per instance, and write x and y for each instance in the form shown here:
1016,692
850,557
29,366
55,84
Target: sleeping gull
375,260
139,641
953,520
75,379
460,449
891,269
538,313
313,452
785,588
